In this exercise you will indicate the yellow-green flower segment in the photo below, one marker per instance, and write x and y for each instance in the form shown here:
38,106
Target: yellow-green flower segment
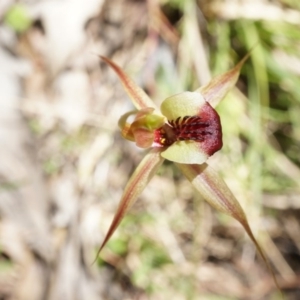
189,129
186,131
196,126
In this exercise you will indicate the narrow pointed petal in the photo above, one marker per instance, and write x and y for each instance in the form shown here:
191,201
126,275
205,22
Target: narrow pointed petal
215,191
183,104
139,98
136,184
220,85
185,152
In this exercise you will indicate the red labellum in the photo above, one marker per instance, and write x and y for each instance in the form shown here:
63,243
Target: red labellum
204,128
190,128
213,139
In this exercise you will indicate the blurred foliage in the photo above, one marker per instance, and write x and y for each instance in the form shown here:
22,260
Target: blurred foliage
18,18
261,127
260,156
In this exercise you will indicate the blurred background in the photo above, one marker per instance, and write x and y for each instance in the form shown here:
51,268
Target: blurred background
63,163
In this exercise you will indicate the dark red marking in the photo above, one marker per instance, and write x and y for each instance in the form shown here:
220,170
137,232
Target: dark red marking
204,128
213,139
190,128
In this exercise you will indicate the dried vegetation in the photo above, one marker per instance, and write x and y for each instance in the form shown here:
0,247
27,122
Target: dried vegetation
64,165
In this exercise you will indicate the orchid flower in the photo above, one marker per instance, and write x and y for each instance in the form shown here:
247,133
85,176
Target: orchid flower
186,130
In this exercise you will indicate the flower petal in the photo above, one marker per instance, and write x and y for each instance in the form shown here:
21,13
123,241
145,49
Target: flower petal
143,137
149,121
136,184
215,191
125,126
197,128
141,130
185,152
220,85
181,105
139,98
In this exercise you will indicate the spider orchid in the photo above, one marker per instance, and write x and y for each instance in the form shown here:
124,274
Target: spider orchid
187,131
